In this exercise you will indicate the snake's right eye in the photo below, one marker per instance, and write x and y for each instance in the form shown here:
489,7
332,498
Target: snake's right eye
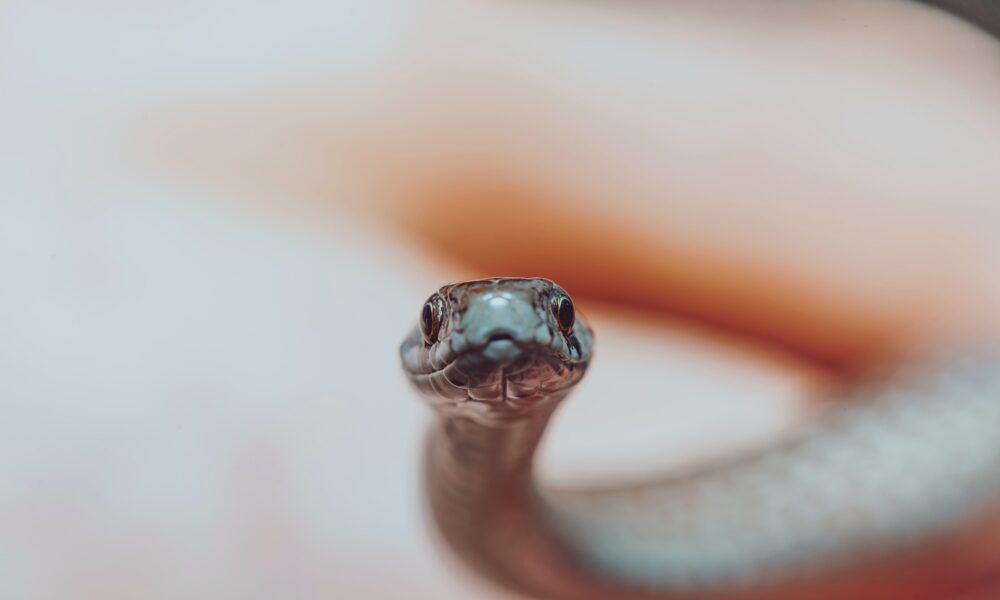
565,314
430,318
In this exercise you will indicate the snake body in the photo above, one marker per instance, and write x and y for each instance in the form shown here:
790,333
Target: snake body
893,493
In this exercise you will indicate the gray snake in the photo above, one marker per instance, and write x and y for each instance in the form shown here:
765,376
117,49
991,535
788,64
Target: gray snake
892,494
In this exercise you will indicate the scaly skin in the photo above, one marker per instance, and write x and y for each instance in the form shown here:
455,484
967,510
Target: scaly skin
893,493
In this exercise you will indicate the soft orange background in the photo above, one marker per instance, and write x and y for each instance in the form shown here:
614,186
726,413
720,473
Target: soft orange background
218,219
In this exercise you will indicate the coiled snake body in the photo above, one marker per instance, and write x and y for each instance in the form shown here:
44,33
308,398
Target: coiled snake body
892,494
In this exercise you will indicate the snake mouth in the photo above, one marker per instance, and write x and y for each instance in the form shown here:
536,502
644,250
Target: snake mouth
501,359
503,371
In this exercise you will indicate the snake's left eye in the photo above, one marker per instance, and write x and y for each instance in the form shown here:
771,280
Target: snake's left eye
430,318
565,314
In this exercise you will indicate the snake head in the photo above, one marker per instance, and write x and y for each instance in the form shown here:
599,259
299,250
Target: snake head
497,346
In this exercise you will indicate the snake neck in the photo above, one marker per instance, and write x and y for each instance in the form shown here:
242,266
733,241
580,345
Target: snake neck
480,485
478,472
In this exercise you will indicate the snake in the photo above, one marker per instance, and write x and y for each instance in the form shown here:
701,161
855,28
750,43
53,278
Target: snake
891,493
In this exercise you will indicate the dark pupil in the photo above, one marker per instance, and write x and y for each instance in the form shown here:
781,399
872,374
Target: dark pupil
566,315
427,319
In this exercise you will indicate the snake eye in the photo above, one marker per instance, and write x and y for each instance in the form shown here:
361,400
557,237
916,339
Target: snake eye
565,314
430,318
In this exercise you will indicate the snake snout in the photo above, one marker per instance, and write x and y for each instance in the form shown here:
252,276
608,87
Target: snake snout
502,349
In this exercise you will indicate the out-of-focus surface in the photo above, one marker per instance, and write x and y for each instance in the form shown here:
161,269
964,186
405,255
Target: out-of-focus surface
218,219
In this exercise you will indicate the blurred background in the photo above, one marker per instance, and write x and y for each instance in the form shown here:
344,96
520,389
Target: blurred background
218,220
